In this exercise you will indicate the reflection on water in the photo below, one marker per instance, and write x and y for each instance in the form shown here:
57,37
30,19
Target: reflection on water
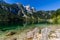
17,27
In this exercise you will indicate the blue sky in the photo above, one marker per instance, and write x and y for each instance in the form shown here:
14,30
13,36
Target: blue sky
39,4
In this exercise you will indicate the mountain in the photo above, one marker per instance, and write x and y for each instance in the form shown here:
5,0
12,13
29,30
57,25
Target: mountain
21,14
12,12
14,8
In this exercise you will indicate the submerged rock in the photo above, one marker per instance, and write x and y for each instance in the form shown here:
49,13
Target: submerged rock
10,33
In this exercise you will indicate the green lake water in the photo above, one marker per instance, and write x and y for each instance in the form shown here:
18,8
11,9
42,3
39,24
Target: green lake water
6,28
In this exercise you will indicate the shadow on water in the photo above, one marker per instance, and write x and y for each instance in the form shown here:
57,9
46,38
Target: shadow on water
13,25
8,26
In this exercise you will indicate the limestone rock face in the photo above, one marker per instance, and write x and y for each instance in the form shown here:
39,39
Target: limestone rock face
58,33
33,34
30,34
37,36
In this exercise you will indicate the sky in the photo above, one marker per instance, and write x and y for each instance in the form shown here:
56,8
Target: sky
38,4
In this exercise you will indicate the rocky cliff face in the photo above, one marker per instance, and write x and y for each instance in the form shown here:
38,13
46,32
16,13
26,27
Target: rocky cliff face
13,12
13,8
26,13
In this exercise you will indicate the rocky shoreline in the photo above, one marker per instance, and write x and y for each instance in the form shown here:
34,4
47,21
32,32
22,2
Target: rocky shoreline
47,33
